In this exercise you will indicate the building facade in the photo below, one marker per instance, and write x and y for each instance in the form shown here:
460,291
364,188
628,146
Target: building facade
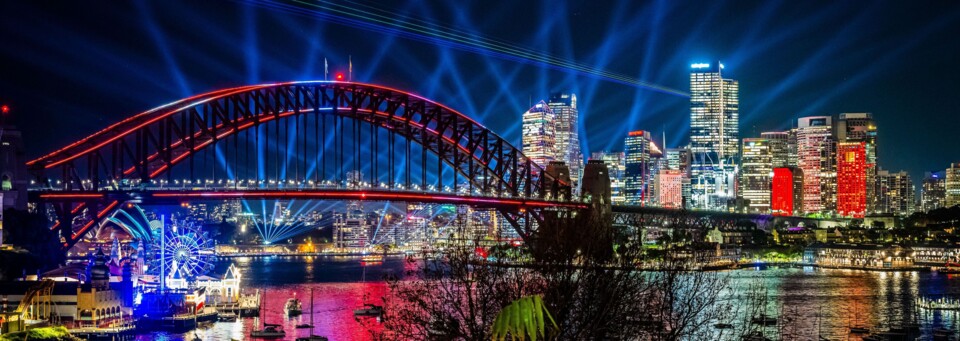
860,127
894,193
933,191
540,134
714,136
669,188
815,145
951,185
567,134
616,166
779,151
638,163
351,230
851,179
755,174
786,195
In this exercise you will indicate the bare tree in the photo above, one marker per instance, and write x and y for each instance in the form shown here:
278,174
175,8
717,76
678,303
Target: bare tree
588,273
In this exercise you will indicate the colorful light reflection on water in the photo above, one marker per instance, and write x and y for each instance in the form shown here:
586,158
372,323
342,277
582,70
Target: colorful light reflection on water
842,297
340,285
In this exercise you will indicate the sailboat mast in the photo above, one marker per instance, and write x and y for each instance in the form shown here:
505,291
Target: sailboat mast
311,311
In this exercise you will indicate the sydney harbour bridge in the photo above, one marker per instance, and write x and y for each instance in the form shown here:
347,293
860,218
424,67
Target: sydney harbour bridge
322,140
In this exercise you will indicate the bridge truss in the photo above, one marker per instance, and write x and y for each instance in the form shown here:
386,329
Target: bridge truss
327,139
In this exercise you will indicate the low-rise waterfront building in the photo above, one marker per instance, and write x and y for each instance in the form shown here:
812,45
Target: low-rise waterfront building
859,256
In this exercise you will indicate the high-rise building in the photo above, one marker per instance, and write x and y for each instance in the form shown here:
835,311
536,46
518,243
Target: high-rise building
539,134
669,188
895,193
564,108
637,167
786,195
351,230
714,136
616,167
860,127
792,147
933,191
779,142
815,158
851,179
680,159
951,185
755,174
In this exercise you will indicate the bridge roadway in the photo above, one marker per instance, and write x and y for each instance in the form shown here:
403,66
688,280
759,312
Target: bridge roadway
176,196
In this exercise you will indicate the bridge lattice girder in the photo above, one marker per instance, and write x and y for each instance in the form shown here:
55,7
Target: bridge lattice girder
148,145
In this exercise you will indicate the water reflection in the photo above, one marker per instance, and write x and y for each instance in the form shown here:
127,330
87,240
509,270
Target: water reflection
843,298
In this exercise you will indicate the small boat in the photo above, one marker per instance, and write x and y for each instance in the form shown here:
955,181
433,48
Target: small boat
859,330
756,336
313,338
227,317
723,326
304,326
369,310
293,307
269,331
371,259
764,320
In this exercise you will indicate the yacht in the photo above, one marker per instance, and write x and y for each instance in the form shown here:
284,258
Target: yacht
269,331
293,307
369,310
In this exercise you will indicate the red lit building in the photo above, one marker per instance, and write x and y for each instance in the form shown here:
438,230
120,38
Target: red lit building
786,195
851,179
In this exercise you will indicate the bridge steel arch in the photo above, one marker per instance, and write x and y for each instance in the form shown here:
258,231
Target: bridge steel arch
146,146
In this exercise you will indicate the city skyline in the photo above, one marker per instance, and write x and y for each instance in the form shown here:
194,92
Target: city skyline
140,60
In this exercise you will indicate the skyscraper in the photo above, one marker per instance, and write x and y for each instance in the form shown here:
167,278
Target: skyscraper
952,185
933,191
564,107
714,136
779,147
860,127
815,158
755,174
616,168
669,188
786,197
680,159
637,166
895,193
539,134
851,179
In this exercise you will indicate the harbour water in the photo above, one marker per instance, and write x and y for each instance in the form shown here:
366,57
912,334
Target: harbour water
842,297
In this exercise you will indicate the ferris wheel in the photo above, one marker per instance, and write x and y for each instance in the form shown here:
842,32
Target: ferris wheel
184,251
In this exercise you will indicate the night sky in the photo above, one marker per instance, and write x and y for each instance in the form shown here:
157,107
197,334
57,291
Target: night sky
70,68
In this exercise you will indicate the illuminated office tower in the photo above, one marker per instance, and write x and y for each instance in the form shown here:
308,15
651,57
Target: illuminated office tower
680,159
951,185
755,174
851,179
779,142
669,188
895,193
815,158
539,134
786,195
792,147
616,167
637,167
351,230
860,127
564,108
714,136
933,191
